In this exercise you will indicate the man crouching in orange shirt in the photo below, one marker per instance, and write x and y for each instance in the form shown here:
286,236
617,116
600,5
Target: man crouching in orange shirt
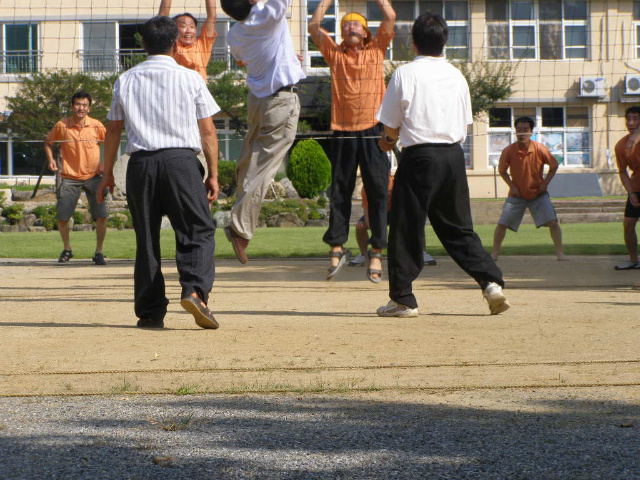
527,187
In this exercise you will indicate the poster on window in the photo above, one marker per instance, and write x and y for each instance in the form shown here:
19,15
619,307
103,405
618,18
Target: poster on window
553,141
577,142
497,143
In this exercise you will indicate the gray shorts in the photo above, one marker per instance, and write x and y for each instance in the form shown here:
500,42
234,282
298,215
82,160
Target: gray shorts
69,193
540,207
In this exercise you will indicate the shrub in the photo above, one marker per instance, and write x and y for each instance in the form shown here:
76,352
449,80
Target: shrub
3,199
322,202
290,205
47,214
279,176
309,169
227,176
78,218
315,215
13,212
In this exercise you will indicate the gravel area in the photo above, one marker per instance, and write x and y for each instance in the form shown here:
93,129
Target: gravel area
572,433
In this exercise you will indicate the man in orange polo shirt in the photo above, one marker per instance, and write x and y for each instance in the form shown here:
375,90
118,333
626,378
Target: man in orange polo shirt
194,51
632,185
79,137
526,159
357,88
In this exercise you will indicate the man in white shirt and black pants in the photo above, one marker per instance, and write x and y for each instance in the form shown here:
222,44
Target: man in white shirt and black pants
427,106
167,111
261,41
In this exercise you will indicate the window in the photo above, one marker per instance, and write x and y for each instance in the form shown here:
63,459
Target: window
536,29
110,46
456,13
20,48
563,130
636,25
329,23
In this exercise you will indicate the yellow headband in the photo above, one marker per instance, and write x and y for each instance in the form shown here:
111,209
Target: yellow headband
353,16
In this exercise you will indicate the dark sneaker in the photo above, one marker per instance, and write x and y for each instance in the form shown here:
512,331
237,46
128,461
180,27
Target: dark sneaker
98,259
150,323
65,256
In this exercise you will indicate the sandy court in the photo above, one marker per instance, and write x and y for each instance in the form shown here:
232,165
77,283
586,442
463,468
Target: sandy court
69,330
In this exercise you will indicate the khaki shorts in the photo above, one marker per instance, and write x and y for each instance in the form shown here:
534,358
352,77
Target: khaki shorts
540,207
69,193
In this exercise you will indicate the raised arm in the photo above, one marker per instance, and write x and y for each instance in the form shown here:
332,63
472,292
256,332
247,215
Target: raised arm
388,15
314,28
209,24
165,8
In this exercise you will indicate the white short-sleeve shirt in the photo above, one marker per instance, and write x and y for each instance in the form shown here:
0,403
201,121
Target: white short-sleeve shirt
428,99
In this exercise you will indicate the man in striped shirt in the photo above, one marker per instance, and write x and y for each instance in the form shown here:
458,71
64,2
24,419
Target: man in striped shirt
167,112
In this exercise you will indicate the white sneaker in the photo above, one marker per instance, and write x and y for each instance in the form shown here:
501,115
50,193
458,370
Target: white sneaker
495,298
428,259
357,261
627,265
393,309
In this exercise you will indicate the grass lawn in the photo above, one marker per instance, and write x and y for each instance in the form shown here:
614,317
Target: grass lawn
579,239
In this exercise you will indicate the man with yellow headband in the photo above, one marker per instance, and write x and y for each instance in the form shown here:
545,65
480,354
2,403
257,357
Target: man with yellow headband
357,88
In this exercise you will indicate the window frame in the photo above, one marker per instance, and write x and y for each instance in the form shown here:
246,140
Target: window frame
309,54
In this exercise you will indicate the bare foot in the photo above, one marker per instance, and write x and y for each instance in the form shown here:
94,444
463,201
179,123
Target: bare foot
563,258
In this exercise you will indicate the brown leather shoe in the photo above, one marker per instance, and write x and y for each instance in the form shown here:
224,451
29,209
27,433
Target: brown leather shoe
201,313
239,244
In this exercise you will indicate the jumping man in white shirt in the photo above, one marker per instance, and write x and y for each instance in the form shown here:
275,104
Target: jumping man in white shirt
261,41
427,105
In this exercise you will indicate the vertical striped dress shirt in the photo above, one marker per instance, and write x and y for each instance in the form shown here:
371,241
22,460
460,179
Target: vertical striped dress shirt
161,103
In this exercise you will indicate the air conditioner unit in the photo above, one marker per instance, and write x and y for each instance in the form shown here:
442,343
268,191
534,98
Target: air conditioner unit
632,84
592,87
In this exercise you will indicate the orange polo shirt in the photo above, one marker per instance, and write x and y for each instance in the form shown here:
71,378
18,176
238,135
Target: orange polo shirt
526,168
632,163
79,147
196,56
357,85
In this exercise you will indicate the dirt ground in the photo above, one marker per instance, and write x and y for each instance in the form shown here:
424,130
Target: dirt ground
70,330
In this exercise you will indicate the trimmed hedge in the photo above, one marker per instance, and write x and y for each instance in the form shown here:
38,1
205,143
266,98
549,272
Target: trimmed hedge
309,169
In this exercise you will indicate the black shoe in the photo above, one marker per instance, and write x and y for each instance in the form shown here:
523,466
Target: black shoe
98,259
65,256
150,323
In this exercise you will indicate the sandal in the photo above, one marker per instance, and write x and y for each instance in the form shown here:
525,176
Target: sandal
65,256
343,255
370,271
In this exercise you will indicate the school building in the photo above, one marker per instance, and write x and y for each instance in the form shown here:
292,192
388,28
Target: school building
576,69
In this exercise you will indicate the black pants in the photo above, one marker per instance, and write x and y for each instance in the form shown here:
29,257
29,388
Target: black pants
169,182
431,180
350,149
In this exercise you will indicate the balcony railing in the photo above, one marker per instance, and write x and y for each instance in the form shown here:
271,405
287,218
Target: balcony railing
110,60
115,61
21,61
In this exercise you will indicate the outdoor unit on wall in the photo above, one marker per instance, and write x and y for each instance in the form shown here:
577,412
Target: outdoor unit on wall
592,87
632,84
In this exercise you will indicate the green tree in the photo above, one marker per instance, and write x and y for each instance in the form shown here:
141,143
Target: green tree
230,91
43,98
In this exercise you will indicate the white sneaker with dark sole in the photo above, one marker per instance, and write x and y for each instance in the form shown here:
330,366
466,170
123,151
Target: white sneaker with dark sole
495,298
628,265
393,309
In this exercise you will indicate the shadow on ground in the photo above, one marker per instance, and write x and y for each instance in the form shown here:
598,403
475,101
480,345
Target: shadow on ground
465,435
